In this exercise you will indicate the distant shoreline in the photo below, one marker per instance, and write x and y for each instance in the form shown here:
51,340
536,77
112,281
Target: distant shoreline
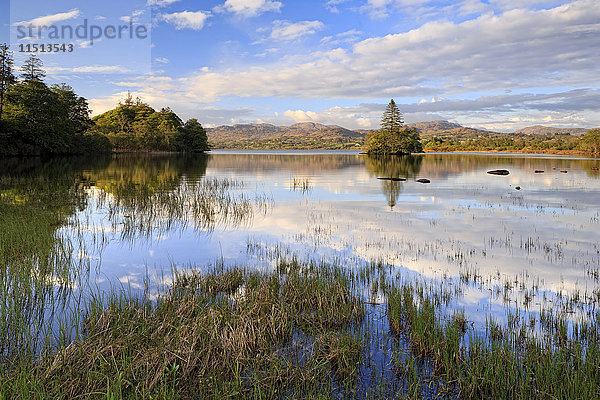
524,151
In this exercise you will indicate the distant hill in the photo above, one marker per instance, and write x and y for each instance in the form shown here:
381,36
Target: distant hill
307,135
548,130
445,129
435,126
311,135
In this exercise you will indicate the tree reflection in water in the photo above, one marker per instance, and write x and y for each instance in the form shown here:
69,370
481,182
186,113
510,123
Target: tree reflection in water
407,167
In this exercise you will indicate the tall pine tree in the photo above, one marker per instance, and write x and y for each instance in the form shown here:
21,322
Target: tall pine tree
393,138
33,70
6,75
392,119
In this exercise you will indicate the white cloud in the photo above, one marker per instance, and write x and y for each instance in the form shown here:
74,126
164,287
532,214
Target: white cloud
431,9
87,69
102,69
286,31
520,50
161,3
161,60
52,19
356,117
85,44
350,36
377,8
249,8
187,19
331,5
302,116
134,17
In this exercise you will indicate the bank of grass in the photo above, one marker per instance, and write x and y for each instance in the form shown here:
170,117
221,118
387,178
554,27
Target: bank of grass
502,362
304,330
226,334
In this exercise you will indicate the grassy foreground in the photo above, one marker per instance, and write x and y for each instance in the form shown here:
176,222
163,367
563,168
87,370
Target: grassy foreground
305,331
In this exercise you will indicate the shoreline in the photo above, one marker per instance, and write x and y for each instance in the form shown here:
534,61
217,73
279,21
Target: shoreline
320,151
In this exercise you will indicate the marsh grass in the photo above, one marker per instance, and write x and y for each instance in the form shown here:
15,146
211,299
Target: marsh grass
48,312
305,331
496,363
303,185
197,342
139,211
34,278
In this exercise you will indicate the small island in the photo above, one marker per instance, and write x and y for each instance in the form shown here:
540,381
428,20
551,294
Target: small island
393,138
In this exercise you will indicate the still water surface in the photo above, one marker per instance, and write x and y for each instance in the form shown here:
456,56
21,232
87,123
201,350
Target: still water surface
139,217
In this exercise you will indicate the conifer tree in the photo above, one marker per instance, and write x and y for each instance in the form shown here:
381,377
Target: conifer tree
393,138
6,75
32,69
392,119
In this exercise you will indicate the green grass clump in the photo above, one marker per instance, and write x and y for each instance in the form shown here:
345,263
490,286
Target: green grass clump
198,341
496,364
321,297
217,281
343,350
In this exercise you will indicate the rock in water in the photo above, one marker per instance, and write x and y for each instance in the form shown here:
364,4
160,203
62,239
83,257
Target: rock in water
539,171
499,172
393,179
423,180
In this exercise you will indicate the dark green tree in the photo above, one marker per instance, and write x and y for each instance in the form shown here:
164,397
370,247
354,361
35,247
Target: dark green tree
38,118
392,119
591,142
76,106
192,138
33,70
6,74
392,138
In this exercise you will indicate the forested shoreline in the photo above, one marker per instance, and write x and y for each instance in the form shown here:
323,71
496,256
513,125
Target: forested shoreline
41,119
588,144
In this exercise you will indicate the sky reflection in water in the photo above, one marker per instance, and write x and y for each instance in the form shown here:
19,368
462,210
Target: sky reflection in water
547,233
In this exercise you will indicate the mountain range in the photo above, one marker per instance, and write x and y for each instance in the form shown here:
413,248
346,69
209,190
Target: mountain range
311,135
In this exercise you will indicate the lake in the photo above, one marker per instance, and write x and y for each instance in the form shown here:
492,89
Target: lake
459,263
136,218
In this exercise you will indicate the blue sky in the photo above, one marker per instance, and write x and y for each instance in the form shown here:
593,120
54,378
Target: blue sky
497,64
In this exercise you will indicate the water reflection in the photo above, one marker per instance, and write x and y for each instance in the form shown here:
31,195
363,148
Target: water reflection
394,167
465,220
38,264
152,173
139,212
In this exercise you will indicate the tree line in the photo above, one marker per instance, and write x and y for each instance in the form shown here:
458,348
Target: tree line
41,119
587,144
394,138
